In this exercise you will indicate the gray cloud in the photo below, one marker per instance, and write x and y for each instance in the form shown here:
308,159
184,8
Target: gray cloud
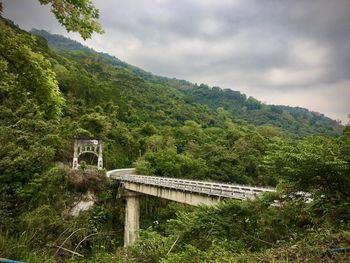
283,52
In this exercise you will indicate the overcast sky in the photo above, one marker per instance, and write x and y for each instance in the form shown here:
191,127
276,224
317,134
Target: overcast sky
281,52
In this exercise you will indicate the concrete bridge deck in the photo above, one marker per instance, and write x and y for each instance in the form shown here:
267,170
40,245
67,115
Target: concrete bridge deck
179,190
219,190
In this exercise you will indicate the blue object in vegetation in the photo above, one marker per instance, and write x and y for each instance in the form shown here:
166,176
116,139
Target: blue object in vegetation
5,260
339,250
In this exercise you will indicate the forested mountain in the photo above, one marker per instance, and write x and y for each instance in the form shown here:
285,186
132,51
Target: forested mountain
61,43
297,122
48,97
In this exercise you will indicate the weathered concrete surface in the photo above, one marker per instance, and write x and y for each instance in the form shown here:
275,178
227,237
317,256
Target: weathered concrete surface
184,191
84,145
132,218
132,213
86,202
214,189
179,196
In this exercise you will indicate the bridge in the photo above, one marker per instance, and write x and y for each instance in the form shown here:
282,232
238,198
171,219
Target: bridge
184,191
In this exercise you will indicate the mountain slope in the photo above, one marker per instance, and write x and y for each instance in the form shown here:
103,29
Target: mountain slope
61,43
163,131
295,121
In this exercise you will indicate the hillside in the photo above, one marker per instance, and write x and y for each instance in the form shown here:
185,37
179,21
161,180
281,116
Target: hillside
61,43
48,97
295,121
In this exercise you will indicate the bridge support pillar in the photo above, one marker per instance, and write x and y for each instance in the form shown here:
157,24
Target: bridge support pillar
132,218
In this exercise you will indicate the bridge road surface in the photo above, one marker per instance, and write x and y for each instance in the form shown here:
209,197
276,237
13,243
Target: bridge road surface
216,191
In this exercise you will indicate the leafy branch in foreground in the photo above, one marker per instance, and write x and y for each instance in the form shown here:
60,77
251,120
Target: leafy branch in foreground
77,16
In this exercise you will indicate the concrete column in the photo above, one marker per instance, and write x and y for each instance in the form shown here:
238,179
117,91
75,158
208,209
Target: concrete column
100,158
132,218
75,164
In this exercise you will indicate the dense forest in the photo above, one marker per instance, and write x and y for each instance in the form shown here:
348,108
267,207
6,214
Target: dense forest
297,122
163,127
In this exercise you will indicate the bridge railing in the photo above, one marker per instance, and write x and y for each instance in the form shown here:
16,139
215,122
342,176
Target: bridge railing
233,191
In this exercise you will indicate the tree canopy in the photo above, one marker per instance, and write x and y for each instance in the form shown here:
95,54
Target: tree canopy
48,97
79,16
76,15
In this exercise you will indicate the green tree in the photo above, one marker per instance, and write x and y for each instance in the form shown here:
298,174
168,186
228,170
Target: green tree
27,75
77,16
96,124
320,165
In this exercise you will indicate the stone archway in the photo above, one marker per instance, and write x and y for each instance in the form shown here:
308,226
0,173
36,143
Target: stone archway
90,158
87,145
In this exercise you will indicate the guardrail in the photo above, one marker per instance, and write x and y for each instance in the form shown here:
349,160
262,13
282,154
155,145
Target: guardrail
124,171
233,191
